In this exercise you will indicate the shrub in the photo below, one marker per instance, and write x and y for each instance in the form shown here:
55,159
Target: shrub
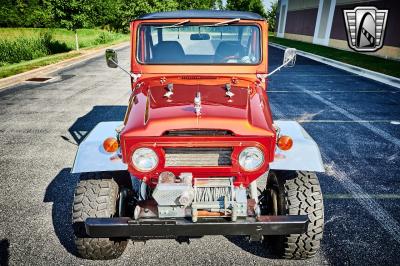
52,46
104,37
28,48
107,37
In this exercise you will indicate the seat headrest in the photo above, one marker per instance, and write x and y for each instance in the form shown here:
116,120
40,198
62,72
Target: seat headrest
168,51
228,48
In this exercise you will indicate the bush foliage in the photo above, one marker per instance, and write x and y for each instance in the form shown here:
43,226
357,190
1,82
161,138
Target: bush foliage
28,48
23,44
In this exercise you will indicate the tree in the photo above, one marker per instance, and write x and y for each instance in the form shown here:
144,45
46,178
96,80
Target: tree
72,15
271,15
246,5
76,14
128,10
257,6
199,4
219,5
25,13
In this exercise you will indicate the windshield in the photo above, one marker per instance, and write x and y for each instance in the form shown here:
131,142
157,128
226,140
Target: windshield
199,44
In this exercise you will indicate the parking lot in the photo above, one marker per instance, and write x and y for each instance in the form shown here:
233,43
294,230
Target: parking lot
354,120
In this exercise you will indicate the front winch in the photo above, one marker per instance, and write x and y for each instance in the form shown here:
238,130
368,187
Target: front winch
174,195
217,197
207,197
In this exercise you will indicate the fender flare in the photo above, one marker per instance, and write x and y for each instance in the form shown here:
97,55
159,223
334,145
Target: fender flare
91,156
303,156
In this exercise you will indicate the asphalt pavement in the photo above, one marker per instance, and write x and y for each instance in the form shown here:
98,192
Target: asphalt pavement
355,121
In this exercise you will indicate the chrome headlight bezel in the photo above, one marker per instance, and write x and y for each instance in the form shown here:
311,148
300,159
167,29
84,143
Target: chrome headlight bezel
149,154
246,153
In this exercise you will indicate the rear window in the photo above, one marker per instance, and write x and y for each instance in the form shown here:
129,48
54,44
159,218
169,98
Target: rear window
199,44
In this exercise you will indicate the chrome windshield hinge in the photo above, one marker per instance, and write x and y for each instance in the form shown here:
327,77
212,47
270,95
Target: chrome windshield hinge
134,76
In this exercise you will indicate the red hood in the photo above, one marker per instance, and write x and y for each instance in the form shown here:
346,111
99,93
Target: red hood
246,113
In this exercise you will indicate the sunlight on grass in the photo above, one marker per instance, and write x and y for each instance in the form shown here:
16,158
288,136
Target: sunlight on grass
87,37
23,49
13,69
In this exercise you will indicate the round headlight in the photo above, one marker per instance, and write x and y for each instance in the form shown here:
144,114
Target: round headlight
144,159
251,158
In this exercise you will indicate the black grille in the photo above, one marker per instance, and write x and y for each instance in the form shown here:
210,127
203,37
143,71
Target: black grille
198,157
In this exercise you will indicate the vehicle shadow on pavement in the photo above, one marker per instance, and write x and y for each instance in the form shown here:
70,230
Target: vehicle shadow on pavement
255,248
4,252
61,193
103,113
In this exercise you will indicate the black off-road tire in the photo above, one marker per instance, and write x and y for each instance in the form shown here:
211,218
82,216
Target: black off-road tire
297,193
95,198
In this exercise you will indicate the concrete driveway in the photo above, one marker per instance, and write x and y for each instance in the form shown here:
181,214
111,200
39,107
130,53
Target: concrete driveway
355,121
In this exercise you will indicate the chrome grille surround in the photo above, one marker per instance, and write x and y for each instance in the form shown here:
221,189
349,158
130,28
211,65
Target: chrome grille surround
198,157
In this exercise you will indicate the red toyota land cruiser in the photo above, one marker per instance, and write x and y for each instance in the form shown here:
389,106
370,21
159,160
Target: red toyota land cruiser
198,152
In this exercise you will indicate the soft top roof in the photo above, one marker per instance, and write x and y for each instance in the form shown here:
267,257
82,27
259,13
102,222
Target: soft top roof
203,14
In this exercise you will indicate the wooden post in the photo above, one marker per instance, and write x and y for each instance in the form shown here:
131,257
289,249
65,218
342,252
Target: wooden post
76,40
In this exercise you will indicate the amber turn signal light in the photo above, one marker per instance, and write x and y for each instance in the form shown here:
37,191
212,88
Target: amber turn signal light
110,144
285,143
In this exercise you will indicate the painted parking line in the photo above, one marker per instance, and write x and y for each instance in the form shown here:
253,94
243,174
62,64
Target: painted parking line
319,75
384,218
332,91
377,131
377,211
350,69
393,122
333,196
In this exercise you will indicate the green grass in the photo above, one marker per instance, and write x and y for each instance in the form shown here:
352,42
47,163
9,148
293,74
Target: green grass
87,37
23,49
385,66
17,68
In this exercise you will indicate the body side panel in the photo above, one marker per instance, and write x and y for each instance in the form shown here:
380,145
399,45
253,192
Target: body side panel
91,156
303,156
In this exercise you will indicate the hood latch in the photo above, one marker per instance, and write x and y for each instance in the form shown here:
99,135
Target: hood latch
229,93
197,103
170,92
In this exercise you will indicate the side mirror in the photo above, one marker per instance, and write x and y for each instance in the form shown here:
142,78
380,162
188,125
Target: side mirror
289,58
111,58
112,61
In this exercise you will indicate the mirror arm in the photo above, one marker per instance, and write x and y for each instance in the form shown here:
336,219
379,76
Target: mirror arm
277,69
264,76
289,58
132,75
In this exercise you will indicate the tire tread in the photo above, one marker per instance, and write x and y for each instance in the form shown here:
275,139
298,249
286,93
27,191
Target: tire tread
304,196
95,198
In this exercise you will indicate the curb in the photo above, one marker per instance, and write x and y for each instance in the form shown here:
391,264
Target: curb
45,70
386,79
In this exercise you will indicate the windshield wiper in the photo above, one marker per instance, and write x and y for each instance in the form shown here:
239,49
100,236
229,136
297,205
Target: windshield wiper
222,23
177,25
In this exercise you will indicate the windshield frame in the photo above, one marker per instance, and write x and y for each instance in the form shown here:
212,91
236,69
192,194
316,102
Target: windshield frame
206,24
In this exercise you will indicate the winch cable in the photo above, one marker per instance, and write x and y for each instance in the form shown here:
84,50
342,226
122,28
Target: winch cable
208,194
